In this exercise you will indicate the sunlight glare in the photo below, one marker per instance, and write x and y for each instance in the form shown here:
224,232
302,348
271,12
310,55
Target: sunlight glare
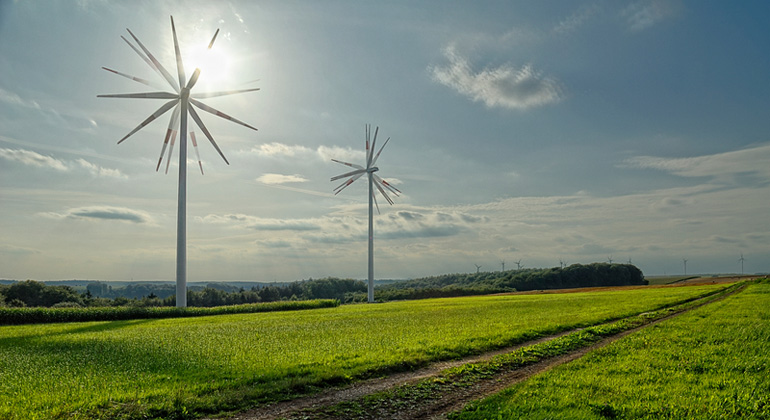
214,64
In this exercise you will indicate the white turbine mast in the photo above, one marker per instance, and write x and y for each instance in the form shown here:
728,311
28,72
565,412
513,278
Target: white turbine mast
183,103
374,181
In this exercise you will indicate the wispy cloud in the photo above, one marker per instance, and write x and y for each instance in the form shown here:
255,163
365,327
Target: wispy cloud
647,13
272,179
103,213
576,20
28,157
260,223
751,161
100,171
279,149
504,86
16,100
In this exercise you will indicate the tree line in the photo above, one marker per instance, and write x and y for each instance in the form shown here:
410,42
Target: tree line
573,276
36,294
31,293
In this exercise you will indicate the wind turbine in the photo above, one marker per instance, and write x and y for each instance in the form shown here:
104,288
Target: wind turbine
741,259
518,264
477,268
374,181
684,260
561,263
183,103
609,259
503,263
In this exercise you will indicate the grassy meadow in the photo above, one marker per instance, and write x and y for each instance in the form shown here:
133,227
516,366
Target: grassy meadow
710,363
188,367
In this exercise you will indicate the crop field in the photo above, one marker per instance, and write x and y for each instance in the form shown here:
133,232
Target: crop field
709,363
188,367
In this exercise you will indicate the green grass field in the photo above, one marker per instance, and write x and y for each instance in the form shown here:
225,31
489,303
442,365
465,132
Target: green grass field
711,363
187,367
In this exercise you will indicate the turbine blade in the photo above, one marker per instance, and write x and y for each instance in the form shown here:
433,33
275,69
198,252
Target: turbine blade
203,128
370,151
136,79
384,194
195,146
368,132
170,151
380,151
141,54
374,198
221,93
162,110
145,95
352,173
211,44
170,132
219,114
352,165
391,188
193,79
157,64
346,183
179,64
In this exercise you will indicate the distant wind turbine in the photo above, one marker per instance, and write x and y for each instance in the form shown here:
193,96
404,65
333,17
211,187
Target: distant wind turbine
183,103
684,260
503,263
561,263
609,259
518,264
741,260
374,181
477,268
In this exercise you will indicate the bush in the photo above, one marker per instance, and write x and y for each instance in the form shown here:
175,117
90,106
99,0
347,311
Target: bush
16,316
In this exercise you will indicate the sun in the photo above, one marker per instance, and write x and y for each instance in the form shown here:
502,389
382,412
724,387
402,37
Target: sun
214,63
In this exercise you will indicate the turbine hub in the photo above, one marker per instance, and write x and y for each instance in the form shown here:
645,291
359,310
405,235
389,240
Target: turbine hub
373,169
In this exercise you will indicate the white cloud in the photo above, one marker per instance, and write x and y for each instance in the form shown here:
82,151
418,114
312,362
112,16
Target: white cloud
31,158
103,213
646,13
504,86
279,149
100,171
752,161
16,100
271,179
576,20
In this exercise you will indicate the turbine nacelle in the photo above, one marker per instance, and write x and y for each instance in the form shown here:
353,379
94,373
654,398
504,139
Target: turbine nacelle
372,169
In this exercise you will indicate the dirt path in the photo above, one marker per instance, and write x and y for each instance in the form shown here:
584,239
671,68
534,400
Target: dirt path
433,408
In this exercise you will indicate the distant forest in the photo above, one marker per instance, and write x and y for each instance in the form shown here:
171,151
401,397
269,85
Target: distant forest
31,293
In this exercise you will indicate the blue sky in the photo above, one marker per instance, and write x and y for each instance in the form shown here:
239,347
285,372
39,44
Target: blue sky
534,131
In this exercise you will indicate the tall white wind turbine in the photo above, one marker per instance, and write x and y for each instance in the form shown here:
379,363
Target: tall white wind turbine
183,103
374,181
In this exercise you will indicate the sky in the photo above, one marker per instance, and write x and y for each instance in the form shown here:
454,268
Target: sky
531,132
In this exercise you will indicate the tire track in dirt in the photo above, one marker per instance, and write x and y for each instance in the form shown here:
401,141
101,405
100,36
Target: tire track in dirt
437,408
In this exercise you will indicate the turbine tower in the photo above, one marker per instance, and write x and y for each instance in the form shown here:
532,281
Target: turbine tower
503,263
741,259
477,268
183,103
374,181
684,260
